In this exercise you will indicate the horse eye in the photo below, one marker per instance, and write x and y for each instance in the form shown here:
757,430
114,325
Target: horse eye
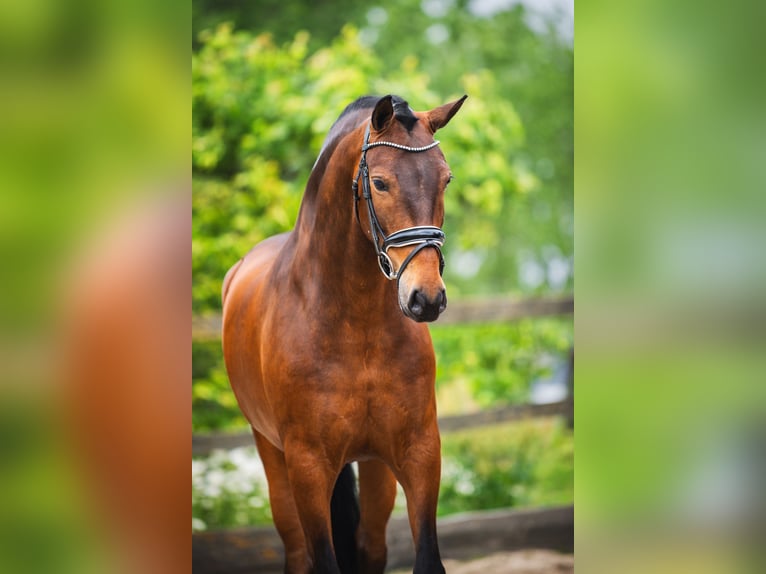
380,185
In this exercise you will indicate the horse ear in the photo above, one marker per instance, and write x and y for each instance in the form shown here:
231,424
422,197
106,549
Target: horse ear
383,112
440,117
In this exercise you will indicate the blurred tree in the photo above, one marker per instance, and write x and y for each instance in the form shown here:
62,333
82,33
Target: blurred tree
531,67
323,19
522,237
260,113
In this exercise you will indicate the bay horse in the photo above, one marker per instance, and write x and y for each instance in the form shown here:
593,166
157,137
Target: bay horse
326,348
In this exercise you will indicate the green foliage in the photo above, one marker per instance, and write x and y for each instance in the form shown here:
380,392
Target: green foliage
533,68
229,489
214,406
261,112
278,17
496,361
522,464
515,465
43,491
511,208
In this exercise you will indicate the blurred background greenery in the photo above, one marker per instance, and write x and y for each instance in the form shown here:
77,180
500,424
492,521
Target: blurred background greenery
265,94
269,81
671,173
669,224
94,138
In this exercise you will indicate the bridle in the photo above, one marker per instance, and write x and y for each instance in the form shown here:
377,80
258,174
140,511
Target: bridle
421,235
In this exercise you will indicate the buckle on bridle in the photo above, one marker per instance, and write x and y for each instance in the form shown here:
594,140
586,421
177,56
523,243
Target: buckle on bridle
386,265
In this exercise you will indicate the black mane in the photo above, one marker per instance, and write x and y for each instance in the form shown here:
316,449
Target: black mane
359,104
404,113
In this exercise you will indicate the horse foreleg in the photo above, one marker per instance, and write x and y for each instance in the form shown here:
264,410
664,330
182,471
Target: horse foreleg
419,472
283,509
377,492
312,478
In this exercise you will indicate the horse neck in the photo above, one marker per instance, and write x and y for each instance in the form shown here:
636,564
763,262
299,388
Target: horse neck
334,261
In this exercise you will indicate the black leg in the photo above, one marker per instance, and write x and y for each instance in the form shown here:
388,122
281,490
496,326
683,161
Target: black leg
427,557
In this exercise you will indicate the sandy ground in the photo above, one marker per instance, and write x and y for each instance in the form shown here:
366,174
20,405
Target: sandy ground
522,562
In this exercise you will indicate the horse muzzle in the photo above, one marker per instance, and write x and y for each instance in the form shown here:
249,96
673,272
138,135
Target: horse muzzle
423,308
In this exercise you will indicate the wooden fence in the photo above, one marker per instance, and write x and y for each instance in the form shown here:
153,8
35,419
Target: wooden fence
493,309
249,550
203,444
461,537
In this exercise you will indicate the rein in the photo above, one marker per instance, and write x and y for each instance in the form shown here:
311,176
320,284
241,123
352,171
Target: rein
421,235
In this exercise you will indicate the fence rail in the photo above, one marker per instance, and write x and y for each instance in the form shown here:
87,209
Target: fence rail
461,537
492,309
203,444
495,309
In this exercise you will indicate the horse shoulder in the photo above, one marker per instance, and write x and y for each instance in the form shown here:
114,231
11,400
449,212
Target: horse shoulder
256,262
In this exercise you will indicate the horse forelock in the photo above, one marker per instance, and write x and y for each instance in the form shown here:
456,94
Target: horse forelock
404,113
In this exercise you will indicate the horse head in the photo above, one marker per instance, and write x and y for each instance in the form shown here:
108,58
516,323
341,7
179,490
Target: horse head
404,176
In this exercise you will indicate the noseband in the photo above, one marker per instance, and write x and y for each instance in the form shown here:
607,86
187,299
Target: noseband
421,235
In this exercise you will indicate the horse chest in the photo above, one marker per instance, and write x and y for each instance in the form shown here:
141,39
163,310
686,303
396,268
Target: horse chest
353,377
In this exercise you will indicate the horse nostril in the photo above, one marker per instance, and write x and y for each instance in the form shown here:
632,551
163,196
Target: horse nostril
418,303
421,308
441,300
